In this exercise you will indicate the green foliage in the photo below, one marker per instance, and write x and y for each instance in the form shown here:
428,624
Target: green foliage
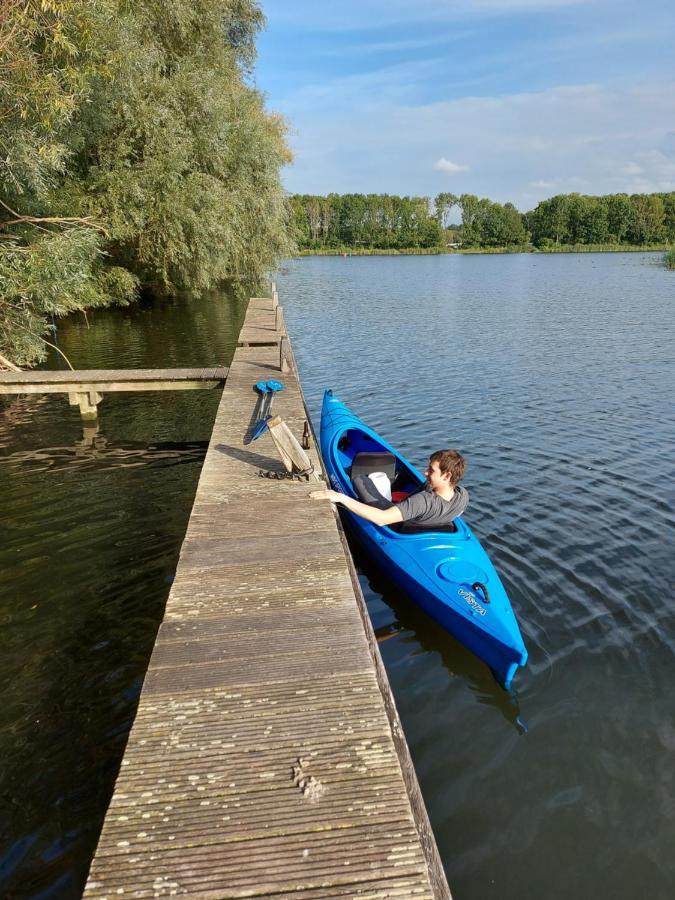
488,224
55,274
373,251
669,259
136,136
443,206
44,75
639,219
382,221
387,222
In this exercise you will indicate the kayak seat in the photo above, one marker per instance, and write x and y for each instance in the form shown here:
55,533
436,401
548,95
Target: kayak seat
382,461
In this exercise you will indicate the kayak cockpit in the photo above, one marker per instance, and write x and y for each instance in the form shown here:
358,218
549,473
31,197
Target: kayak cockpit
357,451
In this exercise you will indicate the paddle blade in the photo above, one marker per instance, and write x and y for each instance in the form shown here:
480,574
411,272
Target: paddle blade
260,428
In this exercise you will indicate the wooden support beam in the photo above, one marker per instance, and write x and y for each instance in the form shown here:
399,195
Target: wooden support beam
88,402
88,381
284,354
279,322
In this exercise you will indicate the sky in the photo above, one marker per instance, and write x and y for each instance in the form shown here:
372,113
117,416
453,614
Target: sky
516,100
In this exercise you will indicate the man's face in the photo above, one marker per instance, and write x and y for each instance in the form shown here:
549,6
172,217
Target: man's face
435,478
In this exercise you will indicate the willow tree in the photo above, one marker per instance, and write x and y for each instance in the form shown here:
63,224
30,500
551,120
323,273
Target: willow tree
137,152
49,262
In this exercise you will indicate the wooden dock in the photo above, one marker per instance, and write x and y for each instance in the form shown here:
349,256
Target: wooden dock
266,758
85,387
66,381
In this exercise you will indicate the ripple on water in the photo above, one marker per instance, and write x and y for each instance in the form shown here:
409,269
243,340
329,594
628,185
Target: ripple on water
559,390
93,520
558,386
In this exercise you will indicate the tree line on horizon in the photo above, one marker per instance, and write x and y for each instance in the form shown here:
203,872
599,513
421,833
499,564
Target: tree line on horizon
385,221
135,153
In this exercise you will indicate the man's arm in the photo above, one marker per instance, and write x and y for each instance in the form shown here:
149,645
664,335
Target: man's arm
371,513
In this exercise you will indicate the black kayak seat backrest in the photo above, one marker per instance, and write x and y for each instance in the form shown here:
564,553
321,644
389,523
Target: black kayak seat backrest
366,463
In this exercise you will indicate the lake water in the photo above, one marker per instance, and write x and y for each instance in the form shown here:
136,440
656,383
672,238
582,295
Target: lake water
553,375
91,530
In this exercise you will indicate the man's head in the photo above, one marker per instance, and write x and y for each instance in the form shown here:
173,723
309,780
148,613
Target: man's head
447,465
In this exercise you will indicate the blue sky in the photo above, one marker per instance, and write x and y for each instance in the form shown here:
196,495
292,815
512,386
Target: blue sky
512,99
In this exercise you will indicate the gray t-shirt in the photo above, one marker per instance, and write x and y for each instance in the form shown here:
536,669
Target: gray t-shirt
427,509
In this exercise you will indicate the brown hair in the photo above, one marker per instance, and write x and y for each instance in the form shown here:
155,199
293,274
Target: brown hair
450,462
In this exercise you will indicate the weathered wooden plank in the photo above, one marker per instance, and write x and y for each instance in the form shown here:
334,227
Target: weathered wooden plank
86,381
248,670
263,626
213,373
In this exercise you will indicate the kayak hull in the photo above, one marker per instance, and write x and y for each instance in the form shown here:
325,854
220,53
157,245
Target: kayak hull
448,575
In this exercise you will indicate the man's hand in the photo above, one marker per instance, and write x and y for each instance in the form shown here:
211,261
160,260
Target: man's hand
333,496
376,516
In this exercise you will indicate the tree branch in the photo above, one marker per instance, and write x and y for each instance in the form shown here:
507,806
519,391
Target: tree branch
87,221
8,364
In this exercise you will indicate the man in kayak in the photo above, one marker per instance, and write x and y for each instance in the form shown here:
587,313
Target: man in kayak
434,506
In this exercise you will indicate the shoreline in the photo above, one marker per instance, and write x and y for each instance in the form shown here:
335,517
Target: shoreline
486,251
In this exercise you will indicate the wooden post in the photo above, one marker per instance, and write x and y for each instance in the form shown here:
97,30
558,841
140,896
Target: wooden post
275,296
87,403
284,354
279,322
292,455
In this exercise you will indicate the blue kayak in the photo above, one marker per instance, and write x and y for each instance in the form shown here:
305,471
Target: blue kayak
447,573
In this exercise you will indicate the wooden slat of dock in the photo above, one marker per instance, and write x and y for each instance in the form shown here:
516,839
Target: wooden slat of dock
260,325
105,380
262,760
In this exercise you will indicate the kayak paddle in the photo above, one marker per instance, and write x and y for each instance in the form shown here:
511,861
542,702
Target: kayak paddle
267,390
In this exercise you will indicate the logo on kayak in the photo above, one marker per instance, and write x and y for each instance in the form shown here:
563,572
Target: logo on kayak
336,484
473,603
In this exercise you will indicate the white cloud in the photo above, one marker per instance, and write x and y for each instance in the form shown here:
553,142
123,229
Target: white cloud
365,48
360,14
630,168
450,168
365,136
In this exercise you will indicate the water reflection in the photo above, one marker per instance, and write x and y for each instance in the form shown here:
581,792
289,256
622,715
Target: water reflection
97,450
93,518
553,375
415,631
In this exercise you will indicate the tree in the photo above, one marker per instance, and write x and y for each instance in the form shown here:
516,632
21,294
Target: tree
471,225
618,216
669,215
51,261
132,137
443,206
647,222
